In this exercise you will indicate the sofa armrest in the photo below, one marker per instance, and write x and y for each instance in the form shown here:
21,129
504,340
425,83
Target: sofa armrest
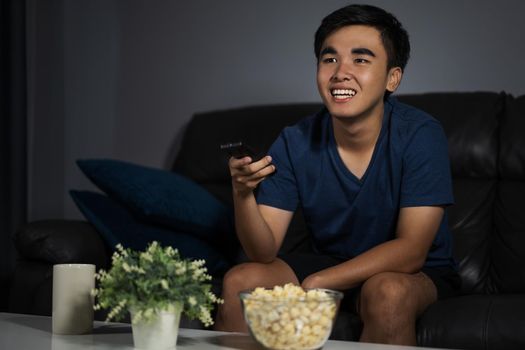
61,241
31,288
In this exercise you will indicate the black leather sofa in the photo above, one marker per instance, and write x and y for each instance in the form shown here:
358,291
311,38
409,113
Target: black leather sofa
486,134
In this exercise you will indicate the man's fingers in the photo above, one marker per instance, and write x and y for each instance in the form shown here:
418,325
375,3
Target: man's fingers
246,175
263,173
239,162
244,166
253,183
255,167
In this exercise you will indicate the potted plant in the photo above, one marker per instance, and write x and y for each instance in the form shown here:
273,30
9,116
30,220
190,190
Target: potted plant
155,286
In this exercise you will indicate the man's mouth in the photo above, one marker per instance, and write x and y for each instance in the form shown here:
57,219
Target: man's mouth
343,94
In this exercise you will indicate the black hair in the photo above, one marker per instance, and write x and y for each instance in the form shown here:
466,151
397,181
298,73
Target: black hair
394,36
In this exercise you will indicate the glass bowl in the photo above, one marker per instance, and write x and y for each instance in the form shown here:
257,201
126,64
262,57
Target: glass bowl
280,320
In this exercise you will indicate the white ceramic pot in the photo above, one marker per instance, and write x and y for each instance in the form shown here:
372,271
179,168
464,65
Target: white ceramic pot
160,332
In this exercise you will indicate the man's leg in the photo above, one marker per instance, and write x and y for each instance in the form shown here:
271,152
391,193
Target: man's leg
247,276
390,303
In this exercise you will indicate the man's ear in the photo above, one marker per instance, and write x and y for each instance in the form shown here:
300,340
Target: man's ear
394,78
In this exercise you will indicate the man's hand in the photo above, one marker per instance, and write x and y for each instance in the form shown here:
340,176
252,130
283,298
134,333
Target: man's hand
260,228
247,175
313,281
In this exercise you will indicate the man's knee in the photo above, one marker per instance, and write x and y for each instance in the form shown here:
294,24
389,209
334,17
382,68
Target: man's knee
386,295
251,275
247,276
238,277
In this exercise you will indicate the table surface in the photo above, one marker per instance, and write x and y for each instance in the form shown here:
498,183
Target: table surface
23,332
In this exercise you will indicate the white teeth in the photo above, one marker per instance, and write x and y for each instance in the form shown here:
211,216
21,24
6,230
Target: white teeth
343,93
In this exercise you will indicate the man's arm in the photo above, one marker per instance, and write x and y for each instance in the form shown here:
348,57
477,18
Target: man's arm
416,229
260,228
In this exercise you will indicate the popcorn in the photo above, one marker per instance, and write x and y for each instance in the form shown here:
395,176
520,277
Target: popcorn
288,317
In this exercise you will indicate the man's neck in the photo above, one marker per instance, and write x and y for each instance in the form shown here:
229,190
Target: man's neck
358,134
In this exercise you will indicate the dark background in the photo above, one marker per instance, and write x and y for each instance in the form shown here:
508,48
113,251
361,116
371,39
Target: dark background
121,78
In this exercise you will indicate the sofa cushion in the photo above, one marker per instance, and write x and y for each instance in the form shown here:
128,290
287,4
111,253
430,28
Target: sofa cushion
507,272
117,225
471,221
161,197
474,322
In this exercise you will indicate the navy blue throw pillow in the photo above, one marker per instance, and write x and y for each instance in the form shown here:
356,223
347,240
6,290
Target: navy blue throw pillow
161,197
117,225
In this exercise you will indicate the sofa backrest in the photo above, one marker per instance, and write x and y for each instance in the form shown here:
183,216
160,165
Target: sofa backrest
470,121
200,156
487,153
507,270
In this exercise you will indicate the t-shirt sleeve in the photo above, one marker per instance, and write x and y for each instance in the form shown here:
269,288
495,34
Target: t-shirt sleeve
426,169
280,189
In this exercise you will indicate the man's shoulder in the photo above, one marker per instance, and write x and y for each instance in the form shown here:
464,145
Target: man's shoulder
408,120
411,125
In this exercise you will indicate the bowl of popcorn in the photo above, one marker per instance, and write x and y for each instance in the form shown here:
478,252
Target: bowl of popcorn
289,317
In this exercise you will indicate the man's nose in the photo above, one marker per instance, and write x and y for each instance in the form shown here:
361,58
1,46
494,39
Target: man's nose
343,72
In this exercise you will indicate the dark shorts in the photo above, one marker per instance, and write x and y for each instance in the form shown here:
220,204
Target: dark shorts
445,278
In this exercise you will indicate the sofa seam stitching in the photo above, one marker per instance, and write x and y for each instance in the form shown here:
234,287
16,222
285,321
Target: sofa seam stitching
486,326
501,116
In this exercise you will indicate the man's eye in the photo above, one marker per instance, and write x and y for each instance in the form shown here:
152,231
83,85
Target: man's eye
361,60
329,60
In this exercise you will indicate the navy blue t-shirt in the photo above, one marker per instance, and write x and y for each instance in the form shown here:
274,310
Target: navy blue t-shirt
346,215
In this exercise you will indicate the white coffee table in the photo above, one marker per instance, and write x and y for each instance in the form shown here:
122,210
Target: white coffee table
24,332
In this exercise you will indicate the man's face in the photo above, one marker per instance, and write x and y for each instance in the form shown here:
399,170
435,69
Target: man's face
352,72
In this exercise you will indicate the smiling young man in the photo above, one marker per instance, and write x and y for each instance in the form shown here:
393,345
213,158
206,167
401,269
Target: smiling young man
372,178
